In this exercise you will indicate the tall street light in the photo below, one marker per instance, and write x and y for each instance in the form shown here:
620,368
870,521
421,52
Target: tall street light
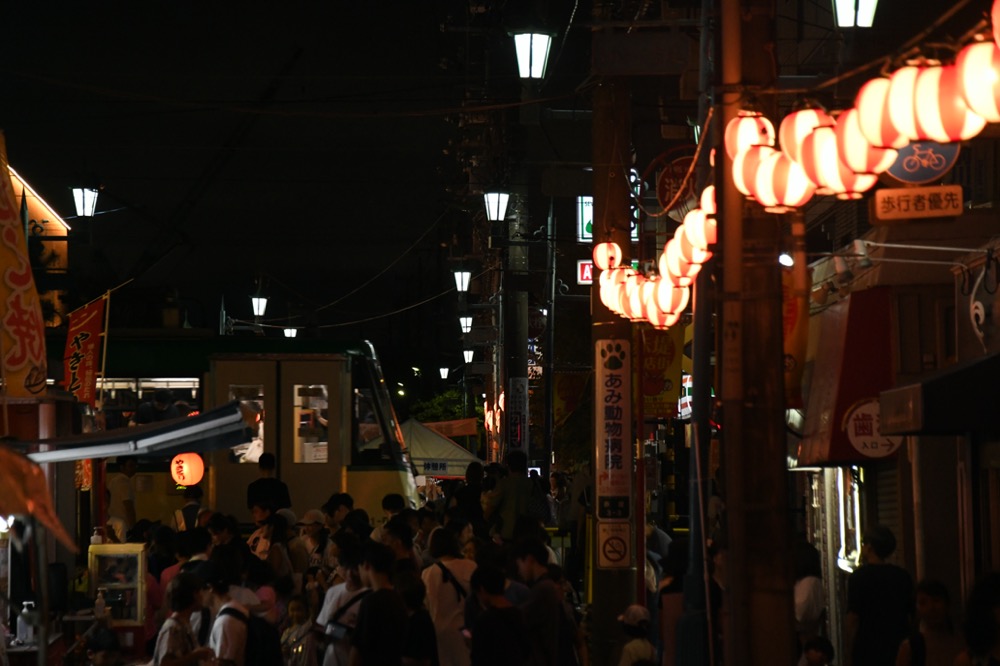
496,205
854,13
532,53
85,201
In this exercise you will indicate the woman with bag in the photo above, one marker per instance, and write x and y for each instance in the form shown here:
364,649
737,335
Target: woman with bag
448,582
339,614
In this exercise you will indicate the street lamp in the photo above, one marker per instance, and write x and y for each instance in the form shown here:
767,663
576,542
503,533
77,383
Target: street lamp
468,353
444,372
462,280
85,200
854,13
259,304
466,323
532,54
496,205
291,332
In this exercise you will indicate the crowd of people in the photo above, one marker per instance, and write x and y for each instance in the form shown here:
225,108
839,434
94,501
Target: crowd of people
468,580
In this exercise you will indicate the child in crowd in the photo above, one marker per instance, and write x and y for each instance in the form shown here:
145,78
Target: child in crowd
297,644
639,650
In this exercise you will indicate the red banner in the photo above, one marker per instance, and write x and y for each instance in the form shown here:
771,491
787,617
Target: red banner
22,335
83,350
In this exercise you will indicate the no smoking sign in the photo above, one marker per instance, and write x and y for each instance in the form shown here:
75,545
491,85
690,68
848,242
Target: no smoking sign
614,545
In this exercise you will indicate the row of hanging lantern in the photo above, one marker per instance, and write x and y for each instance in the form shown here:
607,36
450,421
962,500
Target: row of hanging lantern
659,298
840,154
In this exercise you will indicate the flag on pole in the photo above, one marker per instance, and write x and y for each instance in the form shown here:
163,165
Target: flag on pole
83,350
22,334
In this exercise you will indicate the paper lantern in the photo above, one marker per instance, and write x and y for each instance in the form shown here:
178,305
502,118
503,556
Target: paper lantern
707,202
797,126
609,281
782,184
822,165
689,250
669,297
872,104
674,267
632,305
607,255
856,152
187,469
660,319
979,77
995,16
901,100
747,129
700,229
942,114
745,168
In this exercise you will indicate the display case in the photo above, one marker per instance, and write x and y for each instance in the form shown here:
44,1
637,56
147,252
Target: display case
119,572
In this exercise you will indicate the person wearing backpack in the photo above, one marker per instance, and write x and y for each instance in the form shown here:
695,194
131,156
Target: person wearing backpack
229,633
448,583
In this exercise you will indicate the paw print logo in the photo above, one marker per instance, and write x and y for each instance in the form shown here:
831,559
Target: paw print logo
613,355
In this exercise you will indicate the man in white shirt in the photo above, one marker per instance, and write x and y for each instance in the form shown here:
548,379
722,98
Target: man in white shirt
229,633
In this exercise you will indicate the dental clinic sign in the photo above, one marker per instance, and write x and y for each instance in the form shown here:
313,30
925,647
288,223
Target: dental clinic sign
861,425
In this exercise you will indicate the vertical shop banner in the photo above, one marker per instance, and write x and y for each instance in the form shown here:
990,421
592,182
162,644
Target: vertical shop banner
83,350
22,338
795,327
517,415
658,381
613,432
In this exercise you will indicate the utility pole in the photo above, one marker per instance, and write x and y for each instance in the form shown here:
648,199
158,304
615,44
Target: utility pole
614,562
758,601
516,331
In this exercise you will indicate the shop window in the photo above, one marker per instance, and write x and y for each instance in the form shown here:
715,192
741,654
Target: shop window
251,397
310,416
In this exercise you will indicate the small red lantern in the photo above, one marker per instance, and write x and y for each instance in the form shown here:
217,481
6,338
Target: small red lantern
942,114
823,166
669,297
660,319
797,126
674,267
607,255
187,469
690,251
632,305
708,200
782,184
979,75
699,229
902,99
745,166
609,281
748,128
856,152
873,115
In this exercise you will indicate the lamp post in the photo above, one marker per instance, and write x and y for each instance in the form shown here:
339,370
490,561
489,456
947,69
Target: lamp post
854,13
85,201
532,53
462,281
496,205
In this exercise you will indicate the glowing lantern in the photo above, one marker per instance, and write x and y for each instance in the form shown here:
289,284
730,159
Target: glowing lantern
708,200
669,297
700,230
607,255
609,281
797,126
942,114
745,166
902,100
660,319
674,267
855,151
872,104
747,129
979,75
823,166
632,306
187,469
995,16
782,184
691,252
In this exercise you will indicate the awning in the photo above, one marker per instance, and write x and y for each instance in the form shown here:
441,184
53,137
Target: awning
960,399
853,365
432,454
217,428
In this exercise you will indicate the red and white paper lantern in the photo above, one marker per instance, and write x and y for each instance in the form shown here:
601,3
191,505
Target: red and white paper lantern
823,166
979,77
796,126
782,184
747,129
872,104
856,152
941,112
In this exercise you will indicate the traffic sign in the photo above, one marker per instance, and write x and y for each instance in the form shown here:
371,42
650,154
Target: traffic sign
614,549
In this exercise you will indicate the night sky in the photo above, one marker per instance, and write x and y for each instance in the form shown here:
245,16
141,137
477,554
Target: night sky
298,144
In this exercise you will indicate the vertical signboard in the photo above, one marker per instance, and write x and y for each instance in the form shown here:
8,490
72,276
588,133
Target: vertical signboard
613,432
517,414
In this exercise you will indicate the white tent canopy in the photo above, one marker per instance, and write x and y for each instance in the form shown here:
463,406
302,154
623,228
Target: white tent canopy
432,454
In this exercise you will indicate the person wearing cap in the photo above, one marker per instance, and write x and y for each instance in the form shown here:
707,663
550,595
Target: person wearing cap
639,650
320,550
